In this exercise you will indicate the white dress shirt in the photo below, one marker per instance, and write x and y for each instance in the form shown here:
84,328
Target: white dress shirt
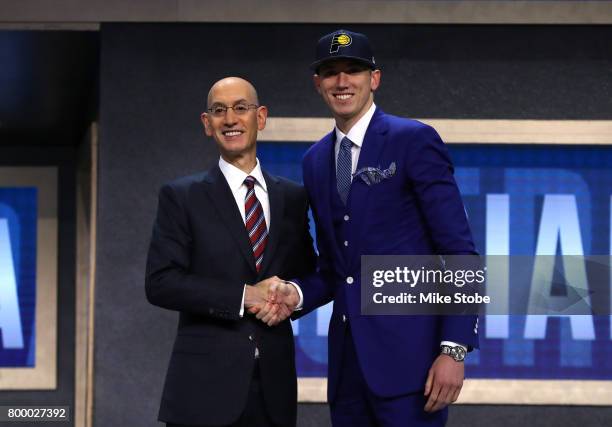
356,134
235,179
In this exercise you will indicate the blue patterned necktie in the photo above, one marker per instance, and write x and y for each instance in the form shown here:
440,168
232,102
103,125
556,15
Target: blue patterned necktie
344,169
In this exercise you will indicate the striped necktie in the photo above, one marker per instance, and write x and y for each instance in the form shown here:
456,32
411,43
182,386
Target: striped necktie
255,222
344,169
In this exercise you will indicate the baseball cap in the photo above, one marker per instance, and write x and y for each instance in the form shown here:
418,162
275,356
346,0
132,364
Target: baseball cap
344,44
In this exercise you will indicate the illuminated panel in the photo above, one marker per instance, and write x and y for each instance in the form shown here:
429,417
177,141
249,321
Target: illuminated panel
18,214
28,278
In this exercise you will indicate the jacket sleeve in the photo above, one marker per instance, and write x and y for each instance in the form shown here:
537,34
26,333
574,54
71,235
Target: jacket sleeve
431,174
169,282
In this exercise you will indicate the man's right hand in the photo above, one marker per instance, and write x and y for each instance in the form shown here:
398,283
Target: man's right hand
281,300
256,296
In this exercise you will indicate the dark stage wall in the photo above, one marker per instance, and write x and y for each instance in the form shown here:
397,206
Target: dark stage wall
153,82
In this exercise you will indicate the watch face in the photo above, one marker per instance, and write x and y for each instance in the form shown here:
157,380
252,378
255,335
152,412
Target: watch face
457,353
460,352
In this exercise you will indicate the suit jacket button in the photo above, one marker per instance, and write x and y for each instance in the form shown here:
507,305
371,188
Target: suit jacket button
346,217
344,318
349,280
250,337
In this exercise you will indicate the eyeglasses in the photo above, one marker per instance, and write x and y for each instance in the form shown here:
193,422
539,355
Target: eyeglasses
219,110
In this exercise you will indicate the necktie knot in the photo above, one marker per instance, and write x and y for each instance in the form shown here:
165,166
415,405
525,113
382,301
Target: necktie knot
249,181
346,143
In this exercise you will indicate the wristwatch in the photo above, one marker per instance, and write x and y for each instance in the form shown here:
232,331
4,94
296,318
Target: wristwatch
457,353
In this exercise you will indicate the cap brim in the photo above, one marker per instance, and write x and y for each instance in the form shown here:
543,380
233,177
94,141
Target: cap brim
315,65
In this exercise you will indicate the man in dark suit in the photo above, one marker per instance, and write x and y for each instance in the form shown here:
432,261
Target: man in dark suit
383,370
216,234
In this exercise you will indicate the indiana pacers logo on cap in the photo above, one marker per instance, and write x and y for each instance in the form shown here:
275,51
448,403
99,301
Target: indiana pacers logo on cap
339,40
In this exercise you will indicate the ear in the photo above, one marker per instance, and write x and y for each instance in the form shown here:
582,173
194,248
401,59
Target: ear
262,115
375,80
206,122
316,79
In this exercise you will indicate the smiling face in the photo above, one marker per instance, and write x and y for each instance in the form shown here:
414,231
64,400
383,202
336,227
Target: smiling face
235,134
347,87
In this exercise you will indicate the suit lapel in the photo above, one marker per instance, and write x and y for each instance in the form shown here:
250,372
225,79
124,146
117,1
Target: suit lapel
325,169
277,208
324,172
221,197
371,149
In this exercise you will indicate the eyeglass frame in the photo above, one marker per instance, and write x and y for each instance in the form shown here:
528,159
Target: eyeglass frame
233,107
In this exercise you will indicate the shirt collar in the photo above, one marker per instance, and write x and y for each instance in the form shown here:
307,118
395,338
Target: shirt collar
235,177
357,133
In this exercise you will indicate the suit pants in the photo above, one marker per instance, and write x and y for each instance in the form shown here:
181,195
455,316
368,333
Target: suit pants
255,413
356,406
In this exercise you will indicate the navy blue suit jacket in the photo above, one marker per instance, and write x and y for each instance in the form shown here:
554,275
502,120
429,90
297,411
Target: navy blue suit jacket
418,211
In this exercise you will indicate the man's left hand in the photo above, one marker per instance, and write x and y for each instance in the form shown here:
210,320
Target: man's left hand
444,383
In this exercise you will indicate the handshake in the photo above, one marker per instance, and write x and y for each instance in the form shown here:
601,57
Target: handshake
271,300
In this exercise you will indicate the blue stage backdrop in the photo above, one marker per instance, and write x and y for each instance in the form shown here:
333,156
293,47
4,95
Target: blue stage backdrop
517,188
18,219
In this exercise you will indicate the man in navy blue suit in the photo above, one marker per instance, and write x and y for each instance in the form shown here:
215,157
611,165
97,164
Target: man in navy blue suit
217,236
383,370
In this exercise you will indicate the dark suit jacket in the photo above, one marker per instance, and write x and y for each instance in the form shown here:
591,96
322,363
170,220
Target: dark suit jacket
199,259
418,211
